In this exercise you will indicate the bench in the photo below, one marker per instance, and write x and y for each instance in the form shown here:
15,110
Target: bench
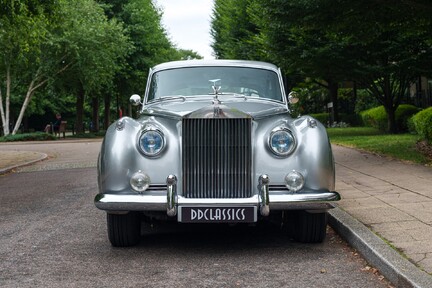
62,129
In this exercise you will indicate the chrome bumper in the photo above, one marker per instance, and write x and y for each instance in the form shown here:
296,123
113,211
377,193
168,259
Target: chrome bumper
169,202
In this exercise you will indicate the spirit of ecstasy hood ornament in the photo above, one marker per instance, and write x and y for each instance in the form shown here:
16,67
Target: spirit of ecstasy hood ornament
216,89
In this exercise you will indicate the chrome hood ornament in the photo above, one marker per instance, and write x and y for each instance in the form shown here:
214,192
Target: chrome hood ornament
216,89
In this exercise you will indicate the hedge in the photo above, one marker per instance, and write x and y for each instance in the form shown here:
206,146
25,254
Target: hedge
38,136
351,119
377,117
423,124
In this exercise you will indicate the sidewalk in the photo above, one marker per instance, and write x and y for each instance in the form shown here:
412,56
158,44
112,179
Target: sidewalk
391,198
394,200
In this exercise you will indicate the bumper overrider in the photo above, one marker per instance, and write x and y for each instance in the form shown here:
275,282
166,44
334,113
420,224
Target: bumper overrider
219,209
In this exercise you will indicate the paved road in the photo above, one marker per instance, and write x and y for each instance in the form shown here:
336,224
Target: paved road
51,235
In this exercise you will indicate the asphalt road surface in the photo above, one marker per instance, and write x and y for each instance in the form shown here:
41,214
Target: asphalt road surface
51,235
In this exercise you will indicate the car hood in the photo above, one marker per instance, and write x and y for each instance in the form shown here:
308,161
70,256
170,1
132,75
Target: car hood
239,108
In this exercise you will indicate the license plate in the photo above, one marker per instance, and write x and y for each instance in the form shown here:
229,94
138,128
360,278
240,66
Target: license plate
217,214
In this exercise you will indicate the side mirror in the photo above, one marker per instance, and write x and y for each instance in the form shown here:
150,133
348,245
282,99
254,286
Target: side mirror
135,100
293,97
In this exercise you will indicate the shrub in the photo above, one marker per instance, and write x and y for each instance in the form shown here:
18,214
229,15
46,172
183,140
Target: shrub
423,124
38,136
403,113
322,117
350,119
377,117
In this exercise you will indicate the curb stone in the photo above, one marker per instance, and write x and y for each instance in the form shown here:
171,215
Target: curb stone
398,270
42,156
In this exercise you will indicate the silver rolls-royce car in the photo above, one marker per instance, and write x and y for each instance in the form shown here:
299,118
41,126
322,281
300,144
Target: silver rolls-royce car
215,143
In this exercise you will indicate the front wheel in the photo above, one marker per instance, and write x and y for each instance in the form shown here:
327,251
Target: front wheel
124,229
310,227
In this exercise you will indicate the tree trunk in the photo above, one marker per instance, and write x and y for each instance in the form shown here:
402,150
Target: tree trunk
389,105
79,125
5,123
5,112
333,90
391,120
95,116
27,99
107,104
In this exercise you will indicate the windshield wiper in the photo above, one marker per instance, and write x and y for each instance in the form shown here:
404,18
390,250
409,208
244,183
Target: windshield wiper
236,95
168,98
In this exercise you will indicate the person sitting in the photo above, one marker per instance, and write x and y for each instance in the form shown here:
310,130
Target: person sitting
54,127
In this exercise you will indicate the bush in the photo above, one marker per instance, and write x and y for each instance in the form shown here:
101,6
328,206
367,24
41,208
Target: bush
321,117
403,114
38,136
324,118
377,117
423,124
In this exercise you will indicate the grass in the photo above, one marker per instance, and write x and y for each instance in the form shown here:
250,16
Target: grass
398,146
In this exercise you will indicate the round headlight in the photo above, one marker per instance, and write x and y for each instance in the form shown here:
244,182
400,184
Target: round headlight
294,181
151,142
281,142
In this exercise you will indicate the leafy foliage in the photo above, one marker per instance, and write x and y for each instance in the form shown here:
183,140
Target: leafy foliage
381,45
233,30
150,45
377,117
423,124
38,136
79,51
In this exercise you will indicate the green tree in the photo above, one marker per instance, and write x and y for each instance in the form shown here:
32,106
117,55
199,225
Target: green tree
382,45
95,47
150,46
396,50
41,41
23,30
233,31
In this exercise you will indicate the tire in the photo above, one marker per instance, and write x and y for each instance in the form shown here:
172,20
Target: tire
310,227
124,230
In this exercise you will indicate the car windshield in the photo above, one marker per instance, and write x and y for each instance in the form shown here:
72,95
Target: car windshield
194,81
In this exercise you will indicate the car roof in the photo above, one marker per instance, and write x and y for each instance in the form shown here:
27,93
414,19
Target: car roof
213,63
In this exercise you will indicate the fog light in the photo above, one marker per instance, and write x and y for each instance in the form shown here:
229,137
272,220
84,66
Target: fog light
139,181
294,181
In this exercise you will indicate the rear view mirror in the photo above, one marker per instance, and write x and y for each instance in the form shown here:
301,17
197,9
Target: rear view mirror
135,100
293,97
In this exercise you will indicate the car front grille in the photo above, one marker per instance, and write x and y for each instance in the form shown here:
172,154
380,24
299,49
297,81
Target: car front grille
217,158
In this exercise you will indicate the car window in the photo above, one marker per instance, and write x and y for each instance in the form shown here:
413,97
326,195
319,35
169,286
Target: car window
194,81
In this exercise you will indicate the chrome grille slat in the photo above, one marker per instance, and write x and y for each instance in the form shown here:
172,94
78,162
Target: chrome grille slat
217,158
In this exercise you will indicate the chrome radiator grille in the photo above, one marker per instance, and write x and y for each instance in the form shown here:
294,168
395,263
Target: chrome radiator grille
217,158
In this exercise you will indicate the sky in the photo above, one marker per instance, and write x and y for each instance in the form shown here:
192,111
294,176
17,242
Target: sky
188,24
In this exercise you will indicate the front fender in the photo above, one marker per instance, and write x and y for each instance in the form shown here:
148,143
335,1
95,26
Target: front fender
312,156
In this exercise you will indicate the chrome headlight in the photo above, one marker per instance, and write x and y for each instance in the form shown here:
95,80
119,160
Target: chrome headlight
281,141
151,141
